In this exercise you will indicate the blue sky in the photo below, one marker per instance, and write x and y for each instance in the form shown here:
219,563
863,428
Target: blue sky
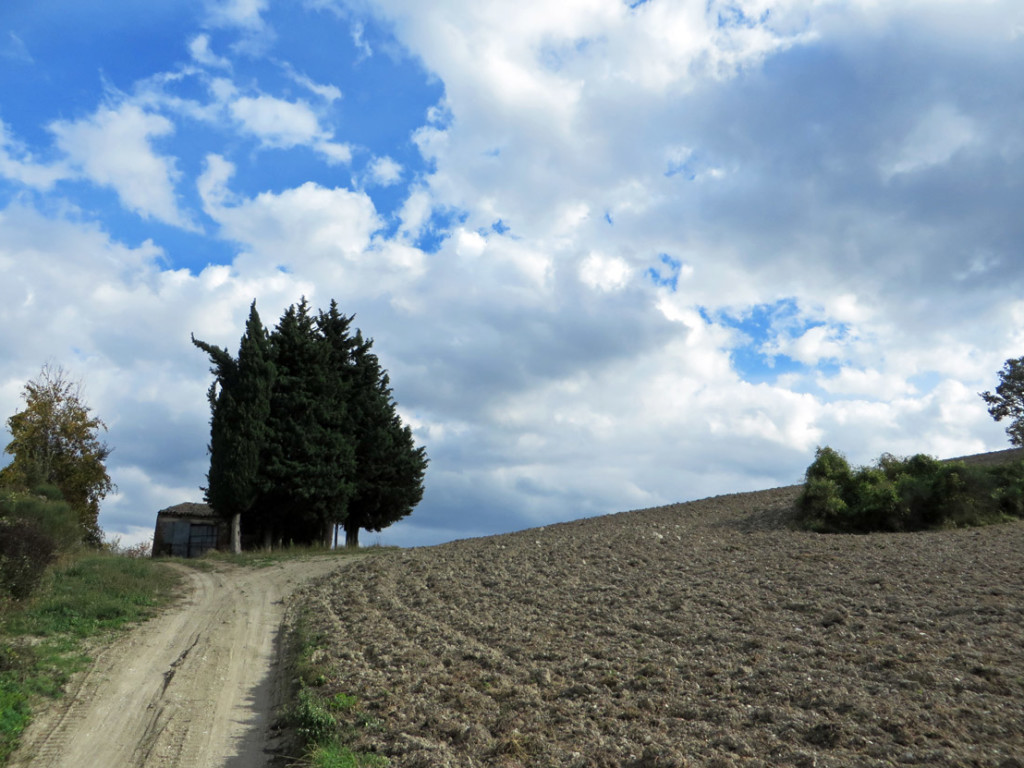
613,254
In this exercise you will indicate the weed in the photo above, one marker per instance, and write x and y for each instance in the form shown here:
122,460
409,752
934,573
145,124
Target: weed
313,720
337,756
342,702
14,714
95,593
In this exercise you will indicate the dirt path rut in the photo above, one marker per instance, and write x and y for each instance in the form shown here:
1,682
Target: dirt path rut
193,687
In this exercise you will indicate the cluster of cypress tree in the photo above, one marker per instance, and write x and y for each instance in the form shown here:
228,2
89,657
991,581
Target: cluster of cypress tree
305,435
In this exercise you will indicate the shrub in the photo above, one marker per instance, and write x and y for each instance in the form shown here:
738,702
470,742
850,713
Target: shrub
52,516
830,464
823,504
898,494
315,724
1009,492
25,551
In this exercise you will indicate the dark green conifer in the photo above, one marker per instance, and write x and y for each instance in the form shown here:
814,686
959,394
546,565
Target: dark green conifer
310,458
389,481
240,408
305,435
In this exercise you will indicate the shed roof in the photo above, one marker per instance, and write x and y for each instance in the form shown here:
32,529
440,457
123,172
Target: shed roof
188,509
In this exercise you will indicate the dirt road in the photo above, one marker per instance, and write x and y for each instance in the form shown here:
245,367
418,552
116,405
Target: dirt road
193,687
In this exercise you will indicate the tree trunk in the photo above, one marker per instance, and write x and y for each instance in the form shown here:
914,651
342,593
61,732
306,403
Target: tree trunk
351,535
325,536
236,533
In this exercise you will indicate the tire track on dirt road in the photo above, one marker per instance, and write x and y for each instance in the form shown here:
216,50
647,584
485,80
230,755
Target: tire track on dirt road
195,686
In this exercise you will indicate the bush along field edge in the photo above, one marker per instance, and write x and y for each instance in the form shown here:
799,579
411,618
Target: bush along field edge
907,494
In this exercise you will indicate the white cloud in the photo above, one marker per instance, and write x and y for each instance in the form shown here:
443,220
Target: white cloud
199,49
815,345
17,164
604,273
329,93
867,383
333,152
280,124
241,13
327,233
113,147
469,245
384,171
359,40
246,17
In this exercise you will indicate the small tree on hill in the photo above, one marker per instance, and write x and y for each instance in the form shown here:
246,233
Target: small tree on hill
54,441
1008,400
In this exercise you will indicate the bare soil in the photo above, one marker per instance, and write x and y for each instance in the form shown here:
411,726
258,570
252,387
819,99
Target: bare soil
195,687
699,634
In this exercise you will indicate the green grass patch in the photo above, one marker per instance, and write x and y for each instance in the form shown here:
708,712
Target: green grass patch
43,640
338,756
92,594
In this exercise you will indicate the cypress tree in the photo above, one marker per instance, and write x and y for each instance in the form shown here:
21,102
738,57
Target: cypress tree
305,434
389,480
309,459
240,407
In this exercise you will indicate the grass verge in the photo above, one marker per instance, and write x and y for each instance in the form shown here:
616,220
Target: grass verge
325,720
43,640
263,558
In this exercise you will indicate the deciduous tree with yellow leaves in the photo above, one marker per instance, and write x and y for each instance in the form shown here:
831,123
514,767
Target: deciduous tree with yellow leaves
55,441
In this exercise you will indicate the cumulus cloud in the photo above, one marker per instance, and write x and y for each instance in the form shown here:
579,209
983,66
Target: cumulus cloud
326,232
245,17
384,171
278,123
604,273
113,147
282,124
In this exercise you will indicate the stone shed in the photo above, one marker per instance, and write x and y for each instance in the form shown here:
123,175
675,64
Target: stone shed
189,530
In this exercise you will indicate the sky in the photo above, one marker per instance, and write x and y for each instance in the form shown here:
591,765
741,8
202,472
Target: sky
613,254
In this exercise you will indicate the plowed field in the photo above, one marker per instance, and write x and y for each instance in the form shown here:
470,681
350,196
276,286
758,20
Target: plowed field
700,634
